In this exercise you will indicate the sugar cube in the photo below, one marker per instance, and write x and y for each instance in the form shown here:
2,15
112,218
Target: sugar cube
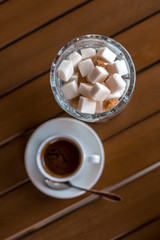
74,77
115,83
118,66
99,74
99,92
70,89
117,94
75,58
99,107
85,88
90,71
65,70
86,105
85,67
88,53
106,54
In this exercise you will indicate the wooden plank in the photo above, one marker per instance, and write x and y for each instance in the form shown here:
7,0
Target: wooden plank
106,220
120,163
137,110
140,106
142,55
20,17
33,55
29,115
3,1
33,99
150,231
13,155
21,100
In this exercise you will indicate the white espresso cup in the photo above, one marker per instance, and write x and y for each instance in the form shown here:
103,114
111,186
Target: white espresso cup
61,158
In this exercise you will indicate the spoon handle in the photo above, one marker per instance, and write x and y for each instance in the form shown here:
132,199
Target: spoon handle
107,196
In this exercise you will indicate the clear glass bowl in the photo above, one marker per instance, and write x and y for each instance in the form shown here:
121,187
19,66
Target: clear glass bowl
94,41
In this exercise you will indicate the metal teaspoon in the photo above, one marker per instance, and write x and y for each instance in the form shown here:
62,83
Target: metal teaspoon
65,185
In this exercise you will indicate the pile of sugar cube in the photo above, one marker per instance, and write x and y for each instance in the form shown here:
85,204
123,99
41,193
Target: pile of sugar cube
92,79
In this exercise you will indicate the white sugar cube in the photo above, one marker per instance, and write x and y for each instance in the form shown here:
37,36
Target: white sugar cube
99,92
74,77
117,94
88,53
118,66
106,54
85,88
85,67
115,83
86,105
99,74
65,70
99,107
70,89
75,58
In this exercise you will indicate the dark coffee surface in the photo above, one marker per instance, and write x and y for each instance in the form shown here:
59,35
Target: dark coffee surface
61,157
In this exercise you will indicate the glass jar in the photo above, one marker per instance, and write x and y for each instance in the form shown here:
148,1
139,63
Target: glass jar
96,42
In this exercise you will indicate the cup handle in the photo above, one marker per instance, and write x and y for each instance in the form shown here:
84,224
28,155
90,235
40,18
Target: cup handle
93,158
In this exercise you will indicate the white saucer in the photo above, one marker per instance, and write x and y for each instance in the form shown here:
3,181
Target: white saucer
89,140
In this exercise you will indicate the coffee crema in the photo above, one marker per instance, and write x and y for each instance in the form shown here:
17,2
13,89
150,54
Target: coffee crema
61,157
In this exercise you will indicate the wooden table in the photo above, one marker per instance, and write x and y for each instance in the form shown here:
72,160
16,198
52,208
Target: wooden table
31,33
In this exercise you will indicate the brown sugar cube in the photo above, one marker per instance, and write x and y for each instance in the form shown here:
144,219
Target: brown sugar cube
99,63
82,80
107,104
74,102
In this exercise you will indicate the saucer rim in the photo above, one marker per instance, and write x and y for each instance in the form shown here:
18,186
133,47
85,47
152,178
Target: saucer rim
77,192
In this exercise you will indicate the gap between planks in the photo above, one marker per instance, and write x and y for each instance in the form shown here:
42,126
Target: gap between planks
12,138
48,70
45,24
82,203
3,1
157,218
136,23
64,14
27,180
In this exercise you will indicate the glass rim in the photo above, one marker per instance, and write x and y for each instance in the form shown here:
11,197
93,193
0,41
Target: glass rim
96,116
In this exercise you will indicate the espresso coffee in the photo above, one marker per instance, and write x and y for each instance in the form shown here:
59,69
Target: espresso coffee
61,157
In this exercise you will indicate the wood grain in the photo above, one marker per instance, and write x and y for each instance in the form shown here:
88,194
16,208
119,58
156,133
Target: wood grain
143,55
107,220
122,157
25,16
31,33
3,1
149,232
33,55
140,106
136,111
13,155
121,161
28,115
35,100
